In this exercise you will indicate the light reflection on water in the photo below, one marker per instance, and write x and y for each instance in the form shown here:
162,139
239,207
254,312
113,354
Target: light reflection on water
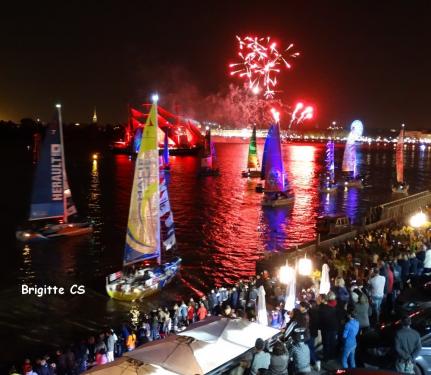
222,230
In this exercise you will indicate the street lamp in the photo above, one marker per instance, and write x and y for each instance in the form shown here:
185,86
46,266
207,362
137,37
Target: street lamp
286,274
305,266
418,219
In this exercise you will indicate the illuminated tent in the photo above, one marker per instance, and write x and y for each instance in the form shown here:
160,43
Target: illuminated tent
203,347
128,366
223,331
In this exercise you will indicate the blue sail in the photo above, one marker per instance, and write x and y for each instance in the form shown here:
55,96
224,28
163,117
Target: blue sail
265,152
137,140
275,175
47,200
165,150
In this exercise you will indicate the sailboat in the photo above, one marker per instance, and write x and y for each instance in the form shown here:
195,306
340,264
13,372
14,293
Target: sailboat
401,186
165,153
259,186
52,211
208,165
276,190
349,166
150,228
328,184
253,166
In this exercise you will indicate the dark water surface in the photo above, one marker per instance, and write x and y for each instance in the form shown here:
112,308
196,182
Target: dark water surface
221,230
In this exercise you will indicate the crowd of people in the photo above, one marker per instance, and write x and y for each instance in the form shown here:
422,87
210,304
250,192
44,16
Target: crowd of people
367,275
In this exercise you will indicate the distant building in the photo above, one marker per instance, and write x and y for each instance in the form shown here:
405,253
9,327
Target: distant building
94,116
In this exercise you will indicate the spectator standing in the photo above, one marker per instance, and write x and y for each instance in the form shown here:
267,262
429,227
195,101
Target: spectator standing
279,359
351,330
183,313
202,312
111,339
300,353
427,262
328,324
362,311
377,286
260,359
407,346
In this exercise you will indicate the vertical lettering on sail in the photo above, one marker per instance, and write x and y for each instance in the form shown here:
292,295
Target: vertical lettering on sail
56,173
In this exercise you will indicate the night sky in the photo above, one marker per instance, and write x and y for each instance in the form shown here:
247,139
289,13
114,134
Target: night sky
367,60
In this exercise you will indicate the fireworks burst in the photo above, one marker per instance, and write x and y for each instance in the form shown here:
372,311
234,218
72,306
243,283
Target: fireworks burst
300,114
261,62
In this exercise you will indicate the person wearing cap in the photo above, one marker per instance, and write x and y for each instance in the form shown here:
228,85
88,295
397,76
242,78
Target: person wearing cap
407,346
350,332
300,353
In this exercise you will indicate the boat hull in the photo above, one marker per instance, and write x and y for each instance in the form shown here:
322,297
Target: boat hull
54,231
130,289
354,183
328,189
400,189
281,201
208,172
251,174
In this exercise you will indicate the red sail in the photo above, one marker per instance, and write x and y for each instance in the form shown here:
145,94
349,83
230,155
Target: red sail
400,157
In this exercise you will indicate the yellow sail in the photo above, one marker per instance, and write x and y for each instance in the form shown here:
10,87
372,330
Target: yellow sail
143,228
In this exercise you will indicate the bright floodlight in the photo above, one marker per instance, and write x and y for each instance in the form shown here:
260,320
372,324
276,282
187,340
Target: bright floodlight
417,220
305,266
155,98
58,105
255,90
207,127
286,274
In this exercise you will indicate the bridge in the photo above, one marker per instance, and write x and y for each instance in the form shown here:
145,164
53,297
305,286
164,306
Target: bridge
184,134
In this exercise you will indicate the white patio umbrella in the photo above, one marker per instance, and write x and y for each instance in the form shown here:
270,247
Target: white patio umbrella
325,285
262,314
290,302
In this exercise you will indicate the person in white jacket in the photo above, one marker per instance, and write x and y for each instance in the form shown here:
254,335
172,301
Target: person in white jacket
427,262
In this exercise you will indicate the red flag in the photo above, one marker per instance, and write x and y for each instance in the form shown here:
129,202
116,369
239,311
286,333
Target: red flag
136,113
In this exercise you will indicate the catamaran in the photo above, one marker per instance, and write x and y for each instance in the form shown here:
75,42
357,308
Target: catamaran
52,211
276,191
150,228
328,184
208,165
349,167
401,186
253,166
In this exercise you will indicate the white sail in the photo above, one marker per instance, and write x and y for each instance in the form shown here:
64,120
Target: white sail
349,157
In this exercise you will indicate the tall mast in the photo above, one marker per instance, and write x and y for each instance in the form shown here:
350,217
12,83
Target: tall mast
63,162
155,98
